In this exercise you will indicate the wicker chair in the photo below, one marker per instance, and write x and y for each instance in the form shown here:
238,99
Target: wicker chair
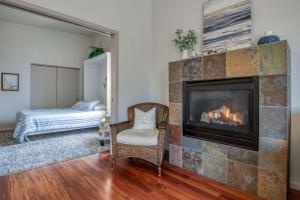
151,153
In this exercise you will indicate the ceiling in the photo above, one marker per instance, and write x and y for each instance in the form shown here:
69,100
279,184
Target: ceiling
13,15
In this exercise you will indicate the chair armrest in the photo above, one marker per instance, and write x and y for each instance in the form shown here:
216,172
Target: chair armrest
115,129
162,125
118,127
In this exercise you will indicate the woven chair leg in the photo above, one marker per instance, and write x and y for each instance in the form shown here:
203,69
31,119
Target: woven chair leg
159,170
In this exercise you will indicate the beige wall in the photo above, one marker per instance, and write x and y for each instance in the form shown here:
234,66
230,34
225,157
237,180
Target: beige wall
133,20
276,15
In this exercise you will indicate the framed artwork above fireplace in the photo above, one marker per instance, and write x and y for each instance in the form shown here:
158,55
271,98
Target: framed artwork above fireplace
227,25
224,111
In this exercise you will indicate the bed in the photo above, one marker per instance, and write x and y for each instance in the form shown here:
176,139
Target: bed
41,121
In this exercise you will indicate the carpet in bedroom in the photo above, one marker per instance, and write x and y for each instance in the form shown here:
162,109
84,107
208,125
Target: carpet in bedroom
46,149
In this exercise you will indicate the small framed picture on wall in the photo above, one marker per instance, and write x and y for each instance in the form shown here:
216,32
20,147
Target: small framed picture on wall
9,82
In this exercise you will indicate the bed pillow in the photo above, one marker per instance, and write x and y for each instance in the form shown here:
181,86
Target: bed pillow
85,105
144,120
100,107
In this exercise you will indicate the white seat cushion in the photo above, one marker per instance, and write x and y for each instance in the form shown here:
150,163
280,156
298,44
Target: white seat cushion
146,137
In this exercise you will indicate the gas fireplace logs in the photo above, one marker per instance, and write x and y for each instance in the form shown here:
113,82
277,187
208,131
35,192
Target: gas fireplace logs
223,116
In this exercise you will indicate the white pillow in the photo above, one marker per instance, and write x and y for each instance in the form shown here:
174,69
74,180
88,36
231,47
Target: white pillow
144,120
100,107
86,105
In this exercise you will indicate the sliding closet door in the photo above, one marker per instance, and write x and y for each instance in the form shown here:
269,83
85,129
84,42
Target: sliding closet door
43,87
67,87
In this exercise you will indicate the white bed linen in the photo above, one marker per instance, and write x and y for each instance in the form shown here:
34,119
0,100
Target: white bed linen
29,122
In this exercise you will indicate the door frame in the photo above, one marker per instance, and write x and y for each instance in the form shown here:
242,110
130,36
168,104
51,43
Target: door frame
89,25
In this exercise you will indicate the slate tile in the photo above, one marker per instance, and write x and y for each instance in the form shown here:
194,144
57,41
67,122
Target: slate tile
175,92
175,113
192,143
192,160
271,185
244,62
214,168
243,177
214,66
192,69
175,72
175,155
273,90
175,134
214,149
273,122
242,155
274,58
273,155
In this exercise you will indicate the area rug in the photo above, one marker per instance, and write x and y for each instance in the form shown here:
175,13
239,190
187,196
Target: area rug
46,149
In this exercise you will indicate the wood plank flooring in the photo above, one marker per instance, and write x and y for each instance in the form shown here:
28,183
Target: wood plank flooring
92,178
294,195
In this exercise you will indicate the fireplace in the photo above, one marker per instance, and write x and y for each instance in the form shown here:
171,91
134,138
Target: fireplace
224,111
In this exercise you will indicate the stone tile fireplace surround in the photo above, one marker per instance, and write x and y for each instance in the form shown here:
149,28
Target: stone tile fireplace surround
263,172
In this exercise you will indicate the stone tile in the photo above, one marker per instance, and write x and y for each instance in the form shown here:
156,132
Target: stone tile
175,113
192,143
244,62
243,177
175,92
214,66
274,58
214,149
242,155
273,122
175,72
192,69
271,185
273,155
214,168
273,90
175,155
175,134
192,160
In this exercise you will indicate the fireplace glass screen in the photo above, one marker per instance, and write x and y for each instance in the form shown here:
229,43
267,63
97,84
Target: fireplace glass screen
225,110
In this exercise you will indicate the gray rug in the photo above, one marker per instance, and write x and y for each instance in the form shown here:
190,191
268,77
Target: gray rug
46,149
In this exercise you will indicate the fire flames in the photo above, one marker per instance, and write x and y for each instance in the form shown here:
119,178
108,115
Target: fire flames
223,116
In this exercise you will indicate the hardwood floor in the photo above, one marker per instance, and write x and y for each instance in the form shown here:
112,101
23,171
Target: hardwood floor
92,178
294,195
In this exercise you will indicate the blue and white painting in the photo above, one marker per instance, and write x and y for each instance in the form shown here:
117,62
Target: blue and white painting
227,25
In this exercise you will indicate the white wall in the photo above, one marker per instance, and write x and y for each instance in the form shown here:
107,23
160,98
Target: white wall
103,40
133,20
277,15
169,15
22,45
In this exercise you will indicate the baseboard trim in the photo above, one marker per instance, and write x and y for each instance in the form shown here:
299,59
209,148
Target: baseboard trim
295,186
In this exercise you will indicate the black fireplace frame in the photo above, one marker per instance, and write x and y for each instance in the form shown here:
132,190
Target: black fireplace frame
246,141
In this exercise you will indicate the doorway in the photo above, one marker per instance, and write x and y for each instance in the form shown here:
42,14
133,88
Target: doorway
114,35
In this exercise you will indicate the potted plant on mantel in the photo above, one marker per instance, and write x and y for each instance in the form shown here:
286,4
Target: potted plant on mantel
185,42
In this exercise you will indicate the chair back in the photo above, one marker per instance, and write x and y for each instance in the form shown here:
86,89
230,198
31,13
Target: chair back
162,111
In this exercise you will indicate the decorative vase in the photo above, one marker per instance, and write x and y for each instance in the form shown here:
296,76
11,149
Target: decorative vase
185,54
194,54
268,38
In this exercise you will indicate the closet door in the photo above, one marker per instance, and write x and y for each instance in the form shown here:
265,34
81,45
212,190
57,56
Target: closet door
43,87
67,87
